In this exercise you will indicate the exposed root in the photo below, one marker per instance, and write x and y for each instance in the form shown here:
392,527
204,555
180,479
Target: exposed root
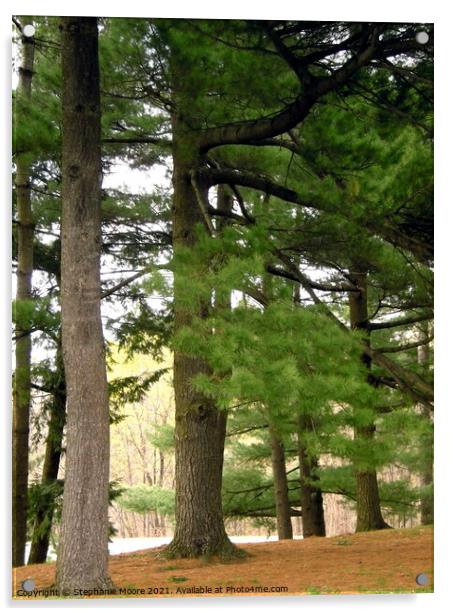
225,551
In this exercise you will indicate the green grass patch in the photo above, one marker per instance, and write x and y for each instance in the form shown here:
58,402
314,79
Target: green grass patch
176,578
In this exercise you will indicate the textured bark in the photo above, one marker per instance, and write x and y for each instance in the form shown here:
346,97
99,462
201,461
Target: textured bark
283,508
83,550
368,510
21,387
200,427
427,504
313,518
311,498
44,516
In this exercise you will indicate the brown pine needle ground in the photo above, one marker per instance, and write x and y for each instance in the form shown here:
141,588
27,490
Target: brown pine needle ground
386,561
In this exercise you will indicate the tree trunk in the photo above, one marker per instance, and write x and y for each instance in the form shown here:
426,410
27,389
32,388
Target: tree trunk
200,427
44,517
283,521
427,506
83,549
369,516
21,387
313,518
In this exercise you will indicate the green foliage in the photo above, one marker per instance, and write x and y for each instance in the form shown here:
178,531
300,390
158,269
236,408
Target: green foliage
144,498
143,330
35,315
131,389
38,134
288,359
399,497
246,490
162,437
44,500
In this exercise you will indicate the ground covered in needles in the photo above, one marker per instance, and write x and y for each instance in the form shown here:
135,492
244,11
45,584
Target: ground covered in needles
387,561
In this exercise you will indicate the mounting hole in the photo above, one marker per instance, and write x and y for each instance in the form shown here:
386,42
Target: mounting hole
422,38
422,579
28,585
28,30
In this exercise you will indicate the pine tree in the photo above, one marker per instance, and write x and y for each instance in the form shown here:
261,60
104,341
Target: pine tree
83,550
45,509
192,142
25,234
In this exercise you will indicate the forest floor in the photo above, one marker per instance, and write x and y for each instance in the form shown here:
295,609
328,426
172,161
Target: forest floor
386,561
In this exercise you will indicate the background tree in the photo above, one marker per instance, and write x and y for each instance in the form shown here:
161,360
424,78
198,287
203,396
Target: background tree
25,233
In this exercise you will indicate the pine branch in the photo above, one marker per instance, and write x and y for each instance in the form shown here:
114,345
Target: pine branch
408,380
124,283
404,347
400,322
245,430
203,202
293,114
232,177
297,276
211,177
133,140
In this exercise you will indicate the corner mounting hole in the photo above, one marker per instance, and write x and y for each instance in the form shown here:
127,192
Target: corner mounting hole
422,579
28,585
422,38
28,30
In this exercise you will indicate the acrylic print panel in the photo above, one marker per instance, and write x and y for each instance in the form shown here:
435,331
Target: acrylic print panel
224,348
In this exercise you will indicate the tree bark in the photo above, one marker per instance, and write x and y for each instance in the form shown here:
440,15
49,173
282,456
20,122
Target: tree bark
44,517
368,510
282,504
313,517
83,550
200,427
21,387
369,516
311,498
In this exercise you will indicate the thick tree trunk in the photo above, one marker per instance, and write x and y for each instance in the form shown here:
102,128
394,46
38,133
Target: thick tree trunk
21,388
427,502
200,427
313,517
44,516
427,505
368,510
83,550
283,521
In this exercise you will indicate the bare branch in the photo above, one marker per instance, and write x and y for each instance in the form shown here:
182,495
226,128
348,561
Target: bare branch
123,283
